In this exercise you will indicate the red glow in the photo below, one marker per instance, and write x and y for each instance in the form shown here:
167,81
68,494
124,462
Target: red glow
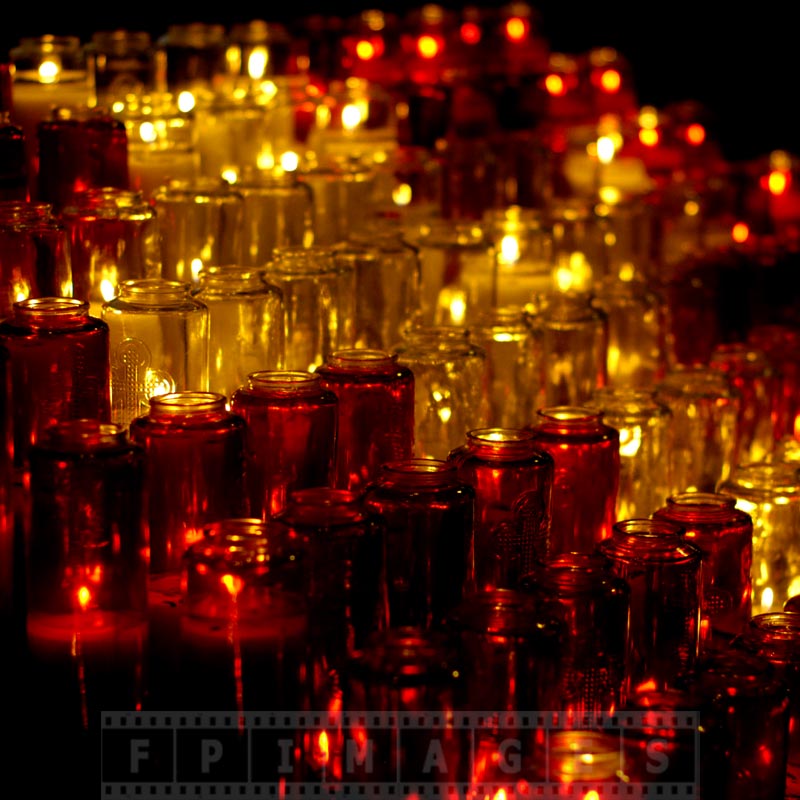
517,29
649,137
740,232
610,81
428,46
555,85
470,33
695,134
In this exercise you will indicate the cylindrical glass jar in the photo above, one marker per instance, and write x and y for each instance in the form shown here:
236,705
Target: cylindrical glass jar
199,224
450,386
586,482
87,574
513,363
595,608
401,672
457,272
79,152
113,238
513,482
574,338
195,470
244,629
119,62
345,545
663,571
9,576
277,213
13,167
59,367
159,344
319,303
291,436
429,516
725,535
705,412
776,637
387,282
190,56
645,442
636,352
35,252
770,494
375,412
753,377
246,326
743,718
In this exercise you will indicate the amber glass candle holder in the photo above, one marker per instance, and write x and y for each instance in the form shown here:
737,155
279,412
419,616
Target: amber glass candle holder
291,422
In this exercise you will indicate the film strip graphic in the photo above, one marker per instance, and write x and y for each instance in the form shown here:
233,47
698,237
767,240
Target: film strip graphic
419,755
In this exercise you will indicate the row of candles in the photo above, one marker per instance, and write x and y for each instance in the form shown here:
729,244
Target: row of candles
475,421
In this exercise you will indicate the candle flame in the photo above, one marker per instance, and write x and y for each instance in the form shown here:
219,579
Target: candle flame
427,46
610,81
84,597
778,182
516,29
605,149
257,62
695,134
740,232
233,583
49,70
555,85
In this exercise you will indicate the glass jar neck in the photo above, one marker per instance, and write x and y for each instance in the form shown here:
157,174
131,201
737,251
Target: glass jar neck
180,405
362,360
503,443
418,473
289,383
323,507
84,435
51,312
154,291
700,507
303,260
231,279
569,419
652,541
775,635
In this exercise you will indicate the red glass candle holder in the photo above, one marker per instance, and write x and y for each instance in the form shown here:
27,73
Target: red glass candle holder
663,571
725,535
429,516
34,247
513,481
77,154
291,436
375,412
345,544
244,627
586,481
87,573
594,604
59,367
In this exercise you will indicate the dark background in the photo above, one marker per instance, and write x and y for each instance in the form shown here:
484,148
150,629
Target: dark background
742,62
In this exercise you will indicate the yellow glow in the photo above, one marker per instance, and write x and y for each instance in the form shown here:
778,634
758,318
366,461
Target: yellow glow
794,587
323,749
648,117
233,583
695,134
591,795
778,182
107,289
290,161
500,794
516,29
147,132
197,267
609,194
257,62
323,115
767,597
365,50
649,137
605,149
84,597
186,102
49,71
610,81
427,46
21,291
740,232
455,302
509,250
229,175
157,383
630,440
555,85
627,272
351,117
691,208
586,758
401,194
